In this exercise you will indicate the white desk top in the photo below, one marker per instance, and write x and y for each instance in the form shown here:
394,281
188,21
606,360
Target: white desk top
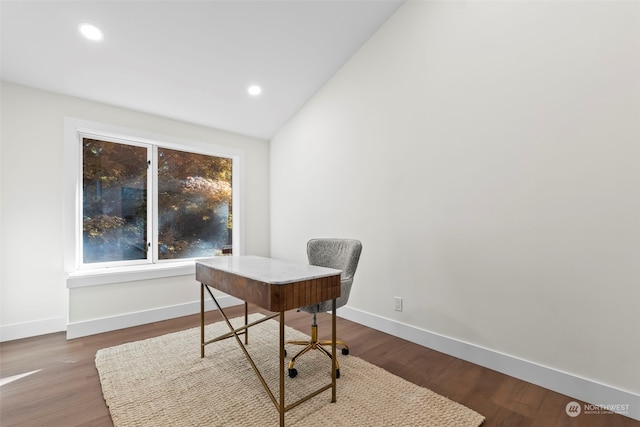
268,270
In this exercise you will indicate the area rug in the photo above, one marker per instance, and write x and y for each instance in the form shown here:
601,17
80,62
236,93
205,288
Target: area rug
163,382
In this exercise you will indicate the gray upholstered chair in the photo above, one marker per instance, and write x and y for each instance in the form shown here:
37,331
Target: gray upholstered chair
342,254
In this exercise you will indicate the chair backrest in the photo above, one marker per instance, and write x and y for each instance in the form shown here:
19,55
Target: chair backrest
342,254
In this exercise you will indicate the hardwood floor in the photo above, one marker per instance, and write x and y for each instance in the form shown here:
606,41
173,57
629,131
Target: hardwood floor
64,389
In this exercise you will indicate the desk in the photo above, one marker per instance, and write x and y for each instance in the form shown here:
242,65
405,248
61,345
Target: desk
276,286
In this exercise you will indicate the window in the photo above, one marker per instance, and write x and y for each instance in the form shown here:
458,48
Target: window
194,205
115,222
187,214
143,206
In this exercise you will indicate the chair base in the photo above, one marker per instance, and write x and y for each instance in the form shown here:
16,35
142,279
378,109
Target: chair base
315,344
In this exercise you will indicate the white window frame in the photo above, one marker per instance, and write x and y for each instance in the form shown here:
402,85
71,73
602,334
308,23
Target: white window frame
79,274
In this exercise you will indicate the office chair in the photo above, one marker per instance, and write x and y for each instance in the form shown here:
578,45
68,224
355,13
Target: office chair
341,254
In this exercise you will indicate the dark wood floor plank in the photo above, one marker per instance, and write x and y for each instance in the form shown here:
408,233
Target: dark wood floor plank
66,390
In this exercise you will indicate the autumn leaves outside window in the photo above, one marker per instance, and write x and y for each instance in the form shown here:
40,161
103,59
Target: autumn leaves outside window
146,203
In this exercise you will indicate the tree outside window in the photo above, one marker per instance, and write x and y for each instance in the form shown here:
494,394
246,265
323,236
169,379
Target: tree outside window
191,210
194,204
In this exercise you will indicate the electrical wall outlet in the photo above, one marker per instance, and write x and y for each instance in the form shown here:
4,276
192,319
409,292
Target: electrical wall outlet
398,303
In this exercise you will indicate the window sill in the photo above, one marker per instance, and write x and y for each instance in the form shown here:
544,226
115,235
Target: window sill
104,276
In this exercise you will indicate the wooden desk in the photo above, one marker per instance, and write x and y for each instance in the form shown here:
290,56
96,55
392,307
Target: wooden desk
276,286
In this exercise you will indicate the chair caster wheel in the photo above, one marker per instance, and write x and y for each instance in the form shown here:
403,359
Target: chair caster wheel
293,372
345,351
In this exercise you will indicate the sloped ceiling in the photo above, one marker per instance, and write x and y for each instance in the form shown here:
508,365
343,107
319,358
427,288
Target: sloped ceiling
189,60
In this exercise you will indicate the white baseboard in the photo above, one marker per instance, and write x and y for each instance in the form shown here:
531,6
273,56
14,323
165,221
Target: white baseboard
31,329
592,392
112,323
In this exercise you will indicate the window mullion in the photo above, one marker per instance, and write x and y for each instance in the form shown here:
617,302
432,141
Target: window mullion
152,205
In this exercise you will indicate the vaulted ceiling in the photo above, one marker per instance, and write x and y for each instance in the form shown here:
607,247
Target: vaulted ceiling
189,60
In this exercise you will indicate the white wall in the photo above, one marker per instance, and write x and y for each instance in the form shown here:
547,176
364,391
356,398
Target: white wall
34,297
487,154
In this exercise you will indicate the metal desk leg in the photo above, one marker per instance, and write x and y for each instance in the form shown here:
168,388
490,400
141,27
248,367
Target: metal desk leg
333,351
282,403
201,320
246,322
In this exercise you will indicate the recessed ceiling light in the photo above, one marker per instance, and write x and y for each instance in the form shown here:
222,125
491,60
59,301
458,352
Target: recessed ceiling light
254,90
91,32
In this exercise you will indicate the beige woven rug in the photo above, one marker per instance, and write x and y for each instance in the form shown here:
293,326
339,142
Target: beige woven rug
163,382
